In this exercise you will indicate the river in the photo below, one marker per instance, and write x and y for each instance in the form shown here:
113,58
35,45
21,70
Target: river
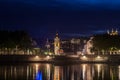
44,71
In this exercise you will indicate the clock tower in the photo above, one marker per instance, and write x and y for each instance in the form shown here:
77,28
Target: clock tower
56,44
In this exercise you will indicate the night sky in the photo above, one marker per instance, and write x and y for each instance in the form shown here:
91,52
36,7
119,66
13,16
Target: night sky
42,18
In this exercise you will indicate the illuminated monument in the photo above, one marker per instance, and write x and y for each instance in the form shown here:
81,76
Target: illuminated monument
113,32
88,46
56,44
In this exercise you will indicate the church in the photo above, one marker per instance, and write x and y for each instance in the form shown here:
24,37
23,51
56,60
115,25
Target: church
57,45
113,32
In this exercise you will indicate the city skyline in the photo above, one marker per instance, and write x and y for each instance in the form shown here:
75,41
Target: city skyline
60,39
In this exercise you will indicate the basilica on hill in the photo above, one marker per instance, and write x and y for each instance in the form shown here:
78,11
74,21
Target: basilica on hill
113,32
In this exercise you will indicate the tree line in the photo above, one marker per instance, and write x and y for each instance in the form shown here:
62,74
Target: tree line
15,39
106,42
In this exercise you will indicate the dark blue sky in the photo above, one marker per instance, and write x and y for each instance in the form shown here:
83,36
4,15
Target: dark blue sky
42,18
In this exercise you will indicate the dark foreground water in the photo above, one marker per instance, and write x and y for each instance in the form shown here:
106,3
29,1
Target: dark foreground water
38,71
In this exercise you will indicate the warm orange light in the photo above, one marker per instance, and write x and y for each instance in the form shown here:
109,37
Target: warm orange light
98,56
48,57
84,57
36,56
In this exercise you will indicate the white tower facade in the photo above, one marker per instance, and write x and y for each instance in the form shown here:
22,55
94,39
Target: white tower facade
56,44
88,46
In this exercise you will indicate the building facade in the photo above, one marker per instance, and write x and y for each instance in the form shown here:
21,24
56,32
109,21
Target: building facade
56,44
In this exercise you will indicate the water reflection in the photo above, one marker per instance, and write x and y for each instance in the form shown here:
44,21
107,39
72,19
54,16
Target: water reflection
48,71
39,75
66,72
119,72
57,73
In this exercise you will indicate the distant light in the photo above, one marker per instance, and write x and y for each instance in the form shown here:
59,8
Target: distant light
50,53
48,57
98,56
84,57
119,67
46,53
82,54
93,53
36,56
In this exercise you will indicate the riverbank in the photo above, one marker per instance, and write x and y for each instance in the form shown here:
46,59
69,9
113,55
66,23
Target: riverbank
59,59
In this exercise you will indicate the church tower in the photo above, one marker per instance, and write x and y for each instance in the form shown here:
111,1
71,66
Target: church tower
47,44
56,44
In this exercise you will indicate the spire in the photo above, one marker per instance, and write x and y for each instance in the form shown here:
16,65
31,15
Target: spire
112,30
116,31
108,31
56,34
47,43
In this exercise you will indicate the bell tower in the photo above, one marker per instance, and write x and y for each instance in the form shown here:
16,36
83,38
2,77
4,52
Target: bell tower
56,44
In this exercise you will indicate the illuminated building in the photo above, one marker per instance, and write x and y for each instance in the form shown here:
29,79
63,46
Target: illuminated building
88,46
113,32
56,44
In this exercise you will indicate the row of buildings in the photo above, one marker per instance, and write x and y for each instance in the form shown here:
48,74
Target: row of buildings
78,46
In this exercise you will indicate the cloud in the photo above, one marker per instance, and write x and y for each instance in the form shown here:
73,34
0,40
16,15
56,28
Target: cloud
75,34
99,31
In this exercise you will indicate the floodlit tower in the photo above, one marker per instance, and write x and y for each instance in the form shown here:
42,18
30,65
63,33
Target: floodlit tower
56,44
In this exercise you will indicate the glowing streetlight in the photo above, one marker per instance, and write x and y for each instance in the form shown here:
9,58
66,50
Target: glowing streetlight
84,57
98,57
36,57
47,57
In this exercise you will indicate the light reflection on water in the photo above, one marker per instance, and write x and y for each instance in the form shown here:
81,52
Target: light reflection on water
40,71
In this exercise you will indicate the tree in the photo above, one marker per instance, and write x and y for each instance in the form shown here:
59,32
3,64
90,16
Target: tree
12,39
106,42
